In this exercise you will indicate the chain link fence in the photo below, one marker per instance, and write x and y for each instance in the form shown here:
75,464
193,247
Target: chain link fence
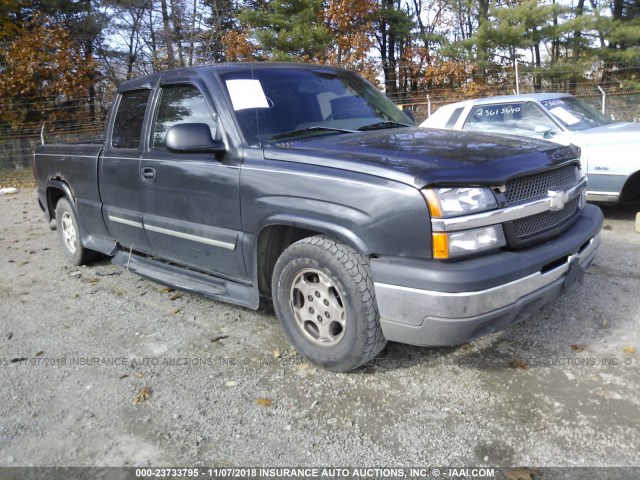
621,107
16,150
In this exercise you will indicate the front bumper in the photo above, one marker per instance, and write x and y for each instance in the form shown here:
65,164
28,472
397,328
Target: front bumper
429,317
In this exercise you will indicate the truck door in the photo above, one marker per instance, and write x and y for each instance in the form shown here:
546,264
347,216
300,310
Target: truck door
119,180
191,200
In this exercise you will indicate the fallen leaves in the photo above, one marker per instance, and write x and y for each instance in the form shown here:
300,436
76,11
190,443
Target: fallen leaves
17,179
630,350
520,364
578,347
522,473
231,383
143,395
264,402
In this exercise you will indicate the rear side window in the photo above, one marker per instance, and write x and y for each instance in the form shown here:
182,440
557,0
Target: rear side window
127,127
180,104
454,118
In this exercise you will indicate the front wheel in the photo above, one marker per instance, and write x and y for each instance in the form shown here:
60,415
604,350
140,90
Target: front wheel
69,234
324,297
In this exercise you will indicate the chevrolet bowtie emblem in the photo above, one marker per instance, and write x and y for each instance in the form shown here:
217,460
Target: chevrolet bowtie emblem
558,199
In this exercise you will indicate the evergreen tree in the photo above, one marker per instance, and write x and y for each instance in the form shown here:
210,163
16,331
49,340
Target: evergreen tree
290,30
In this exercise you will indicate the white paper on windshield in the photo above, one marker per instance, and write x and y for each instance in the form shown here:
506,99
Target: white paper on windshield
567,117
246,93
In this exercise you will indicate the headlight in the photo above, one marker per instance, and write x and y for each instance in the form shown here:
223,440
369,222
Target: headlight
452,202
466,242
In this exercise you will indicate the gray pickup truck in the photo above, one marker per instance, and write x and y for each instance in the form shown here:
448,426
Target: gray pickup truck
306,185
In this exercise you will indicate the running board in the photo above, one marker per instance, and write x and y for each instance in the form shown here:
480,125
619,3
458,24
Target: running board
188,280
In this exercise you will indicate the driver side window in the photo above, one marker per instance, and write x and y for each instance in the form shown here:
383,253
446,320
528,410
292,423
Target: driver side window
180,104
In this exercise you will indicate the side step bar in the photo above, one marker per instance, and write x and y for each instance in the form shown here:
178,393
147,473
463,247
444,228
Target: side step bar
188,280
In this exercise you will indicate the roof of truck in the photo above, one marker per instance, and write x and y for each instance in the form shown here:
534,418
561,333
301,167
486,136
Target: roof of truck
148,81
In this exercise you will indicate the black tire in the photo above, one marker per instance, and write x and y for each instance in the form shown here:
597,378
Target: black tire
314,279
69,235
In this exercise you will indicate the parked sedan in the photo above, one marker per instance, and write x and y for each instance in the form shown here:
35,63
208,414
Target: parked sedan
610,150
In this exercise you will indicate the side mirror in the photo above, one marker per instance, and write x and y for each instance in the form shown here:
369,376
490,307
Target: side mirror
409,113
544,131
192,138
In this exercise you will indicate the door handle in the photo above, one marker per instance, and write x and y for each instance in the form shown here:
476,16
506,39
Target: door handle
148,174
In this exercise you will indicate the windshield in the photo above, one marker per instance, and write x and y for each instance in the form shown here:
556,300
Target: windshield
574,114
276,103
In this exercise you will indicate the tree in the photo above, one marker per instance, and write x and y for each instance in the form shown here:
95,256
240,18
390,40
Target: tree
288,30
80,18
11,21
393,28
623,49
128,28
350,23
47,76
520,26
224,37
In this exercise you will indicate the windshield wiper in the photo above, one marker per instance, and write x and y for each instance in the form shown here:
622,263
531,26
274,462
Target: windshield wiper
385,124
315,128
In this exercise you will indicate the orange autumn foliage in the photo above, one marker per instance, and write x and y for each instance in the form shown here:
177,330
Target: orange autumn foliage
44,70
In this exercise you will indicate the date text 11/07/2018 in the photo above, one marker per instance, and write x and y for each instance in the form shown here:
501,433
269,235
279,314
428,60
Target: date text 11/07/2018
314,472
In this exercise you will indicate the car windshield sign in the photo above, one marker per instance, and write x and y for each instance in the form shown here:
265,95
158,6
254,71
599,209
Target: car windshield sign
574,114
278,103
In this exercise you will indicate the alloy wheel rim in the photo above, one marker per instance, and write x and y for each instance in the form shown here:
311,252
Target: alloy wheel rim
69,233
317,307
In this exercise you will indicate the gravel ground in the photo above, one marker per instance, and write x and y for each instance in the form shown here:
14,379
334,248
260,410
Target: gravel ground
196,382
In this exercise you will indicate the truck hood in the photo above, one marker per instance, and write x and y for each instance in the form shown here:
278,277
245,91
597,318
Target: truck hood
420,157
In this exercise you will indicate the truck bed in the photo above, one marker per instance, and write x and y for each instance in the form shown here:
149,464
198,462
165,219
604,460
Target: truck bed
75,165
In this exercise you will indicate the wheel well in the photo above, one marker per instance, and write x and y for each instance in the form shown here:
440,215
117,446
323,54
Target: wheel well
53,197
631,188
274,240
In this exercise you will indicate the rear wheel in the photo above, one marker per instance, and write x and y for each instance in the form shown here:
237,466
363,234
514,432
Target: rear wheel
69,234
323,295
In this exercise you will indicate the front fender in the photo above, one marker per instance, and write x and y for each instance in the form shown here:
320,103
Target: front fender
338,232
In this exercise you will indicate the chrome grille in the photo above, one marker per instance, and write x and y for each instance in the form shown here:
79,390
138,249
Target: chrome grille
528,226
538,184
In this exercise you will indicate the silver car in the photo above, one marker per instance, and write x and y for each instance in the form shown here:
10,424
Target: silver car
610,150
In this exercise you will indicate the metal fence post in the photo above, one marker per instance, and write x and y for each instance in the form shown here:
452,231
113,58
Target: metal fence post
604,98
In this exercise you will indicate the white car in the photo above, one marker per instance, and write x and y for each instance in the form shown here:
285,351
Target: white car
610,150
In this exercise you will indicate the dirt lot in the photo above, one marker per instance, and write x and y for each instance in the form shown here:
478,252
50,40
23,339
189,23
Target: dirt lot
101,368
